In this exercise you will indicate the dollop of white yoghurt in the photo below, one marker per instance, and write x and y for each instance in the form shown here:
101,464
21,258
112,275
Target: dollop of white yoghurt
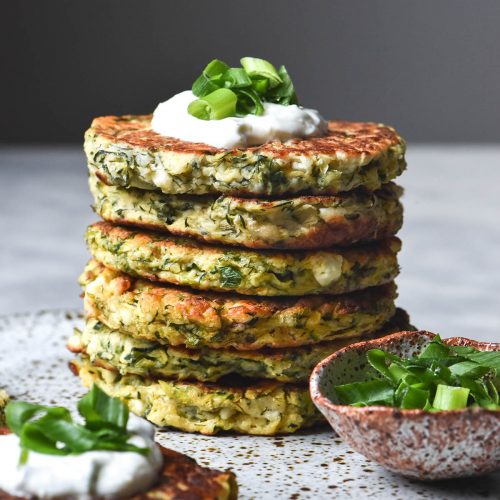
278,122
104,474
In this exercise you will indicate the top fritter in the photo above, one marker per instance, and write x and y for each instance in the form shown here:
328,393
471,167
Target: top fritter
125,151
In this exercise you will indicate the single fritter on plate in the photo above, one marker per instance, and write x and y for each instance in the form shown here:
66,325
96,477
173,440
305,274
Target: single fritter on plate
182,261
293,223
128,355
125,151
245,406
176,316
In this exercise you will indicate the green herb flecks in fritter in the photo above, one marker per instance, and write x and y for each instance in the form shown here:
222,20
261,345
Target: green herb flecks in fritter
174,316
128,355
263,408
110,348
125,151
294,223
185,262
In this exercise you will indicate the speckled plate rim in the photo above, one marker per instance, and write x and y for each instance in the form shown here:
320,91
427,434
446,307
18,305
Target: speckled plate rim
322,401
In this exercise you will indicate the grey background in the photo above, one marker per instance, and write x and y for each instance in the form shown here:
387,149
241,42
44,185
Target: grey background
429,67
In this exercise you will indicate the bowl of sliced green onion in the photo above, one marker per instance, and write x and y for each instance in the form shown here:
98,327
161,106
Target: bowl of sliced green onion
420,406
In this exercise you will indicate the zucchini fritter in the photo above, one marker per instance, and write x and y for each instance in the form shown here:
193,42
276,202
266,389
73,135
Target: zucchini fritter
185,262
176,316
249,407
294,223
124,151
115,350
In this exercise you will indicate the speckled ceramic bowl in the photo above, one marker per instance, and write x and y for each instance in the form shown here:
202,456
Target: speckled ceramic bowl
414,443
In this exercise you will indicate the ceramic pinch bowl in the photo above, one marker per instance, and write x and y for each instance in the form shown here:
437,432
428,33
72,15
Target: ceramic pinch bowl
415,443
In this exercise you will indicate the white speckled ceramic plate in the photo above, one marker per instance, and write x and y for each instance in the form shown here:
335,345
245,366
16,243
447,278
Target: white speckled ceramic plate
33,366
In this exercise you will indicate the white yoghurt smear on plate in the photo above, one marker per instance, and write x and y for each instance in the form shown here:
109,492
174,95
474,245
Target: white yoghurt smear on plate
107,474
278,122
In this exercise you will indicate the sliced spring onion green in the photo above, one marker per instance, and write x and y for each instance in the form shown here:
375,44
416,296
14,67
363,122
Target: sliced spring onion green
215,68
18,413
397,372
249,102
284,93
236,78
52,431
435,349
441,377
260,85
260,68
255,83
215,106
450,398
485,358
210,79
97,408
203,86
413,397
365,393
469,369
380,360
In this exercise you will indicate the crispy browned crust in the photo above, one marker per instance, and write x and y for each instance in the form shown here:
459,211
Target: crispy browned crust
150,255
352,139
164,240
338,230
202,305
400,321
233,383
181,479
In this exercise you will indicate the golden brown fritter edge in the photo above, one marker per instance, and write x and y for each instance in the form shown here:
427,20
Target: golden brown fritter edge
351,139
183,479
340,229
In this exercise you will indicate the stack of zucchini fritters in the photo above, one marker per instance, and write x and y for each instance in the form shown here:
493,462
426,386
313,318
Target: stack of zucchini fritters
220,278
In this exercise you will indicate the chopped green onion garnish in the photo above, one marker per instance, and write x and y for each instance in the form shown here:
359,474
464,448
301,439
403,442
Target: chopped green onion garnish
249,102
441,377
259,69
210,79
215,68
255,83
51,430
366,393
219,104
236,78
284,93
450,398
413,397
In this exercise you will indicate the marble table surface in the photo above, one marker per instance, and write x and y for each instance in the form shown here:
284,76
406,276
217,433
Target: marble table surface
450,276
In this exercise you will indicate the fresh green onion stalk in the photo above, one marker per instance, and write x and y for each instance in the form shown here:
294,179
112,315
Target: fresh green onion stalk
440,378
223,91
51,430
